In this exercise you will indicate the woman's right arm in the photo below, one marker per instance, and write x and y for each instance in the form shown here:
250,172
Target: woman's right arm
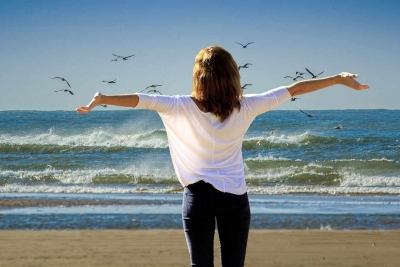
130,100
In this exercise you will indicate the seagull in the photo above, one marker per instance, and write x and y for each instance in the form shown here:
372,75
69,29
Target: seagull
151,86
65,90
244,86
308,115
245,66
154,91
295,78
109,81
339,127
123,58
62,79
104,106
244,46
312,74
301,73
294,98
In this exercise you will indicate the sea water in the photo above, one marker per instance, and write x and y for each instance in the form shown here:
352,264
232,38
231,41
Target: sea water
301,172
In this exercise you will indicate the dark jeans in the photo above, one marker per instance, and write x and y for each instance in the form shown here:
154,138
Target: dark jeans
203,205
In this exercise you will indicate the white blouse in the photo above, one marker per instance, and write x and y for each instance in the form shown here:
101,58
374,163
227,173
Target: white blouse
202,147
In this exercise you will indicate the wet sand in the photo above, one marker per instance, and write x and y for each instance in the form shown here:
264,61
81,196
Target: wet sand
168,248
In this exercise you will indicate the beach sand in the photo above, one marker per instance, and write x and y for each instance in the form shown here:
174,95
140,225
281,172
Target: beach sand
168,248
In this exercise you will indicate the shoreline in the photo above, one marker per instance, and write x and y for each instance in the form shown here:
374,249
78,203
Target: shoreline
168,248
136,211
13,200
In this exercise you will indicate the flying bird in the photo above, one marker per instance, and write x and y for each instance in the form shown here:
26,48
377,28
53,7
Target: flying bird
123,58
109,81
64,90
247,84
294,98
154,91
312,74
104,106
151,86
245,46
301,73
245,66
62,79
308,115
295,78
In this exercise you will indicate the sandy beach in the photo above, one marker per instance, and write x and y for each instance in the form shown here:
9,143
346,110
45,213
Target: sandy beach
168,248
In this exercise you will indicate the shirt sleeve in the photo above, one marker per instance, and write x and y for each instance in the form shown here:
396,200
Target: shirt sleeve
161,103
260,103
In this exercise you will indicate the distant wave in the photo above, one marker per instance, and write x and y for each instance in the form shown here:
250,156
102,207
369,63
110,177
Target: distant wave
51,142
130,175
287,141
106,140
264,171
356,164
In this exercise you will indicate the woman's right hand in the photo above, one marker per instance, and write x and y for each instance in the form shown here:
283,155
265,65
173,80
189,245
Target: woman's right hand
95,101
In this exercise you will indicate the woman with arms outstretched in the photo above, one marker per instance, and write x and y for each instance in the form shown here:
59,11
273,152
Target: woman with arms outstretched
205,133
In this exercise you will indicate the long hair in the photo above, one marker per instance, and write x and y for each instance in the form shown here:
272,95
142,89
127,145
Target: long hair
216,82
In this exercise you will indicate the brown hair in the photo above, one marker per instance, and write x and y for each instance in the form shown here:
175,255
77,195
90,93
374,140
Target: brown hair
216,82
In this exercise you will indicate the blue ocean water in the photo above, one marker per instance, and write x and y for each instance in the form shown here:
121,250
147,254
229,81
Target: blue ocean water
110,154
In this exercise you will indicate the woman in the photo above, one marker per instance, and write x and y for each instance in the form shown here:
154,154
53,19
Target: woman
205,132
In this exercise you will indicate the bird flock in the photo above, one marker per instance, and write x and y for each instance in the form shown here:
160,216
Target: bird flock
298,75
301,74
152,88
109,82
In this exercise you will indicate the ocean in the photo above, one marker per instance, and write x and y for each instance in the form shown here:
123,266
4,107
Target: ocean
112,170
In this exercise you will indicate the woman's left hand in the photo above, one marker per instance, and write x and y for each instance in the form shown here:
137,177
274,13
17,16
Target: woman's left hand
348,79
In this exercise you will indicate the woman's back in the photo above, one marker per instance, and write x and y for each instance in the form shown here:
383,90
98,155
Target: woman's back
204,148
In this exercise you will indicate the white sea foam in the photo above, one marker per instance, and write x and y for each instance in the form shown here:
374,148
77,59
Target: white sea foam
327,190
260,158
363,160
358,180
86,176
326,227
92,138
272,175
281,139
288,139
88,189
271,190
316,165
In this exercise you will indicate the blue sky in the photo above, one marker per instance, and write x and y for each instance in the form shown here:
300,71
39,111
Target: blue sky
76,39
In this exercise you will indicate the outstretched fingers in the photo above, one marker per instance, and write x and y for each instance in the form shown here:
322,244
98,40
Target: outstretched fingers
357,86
